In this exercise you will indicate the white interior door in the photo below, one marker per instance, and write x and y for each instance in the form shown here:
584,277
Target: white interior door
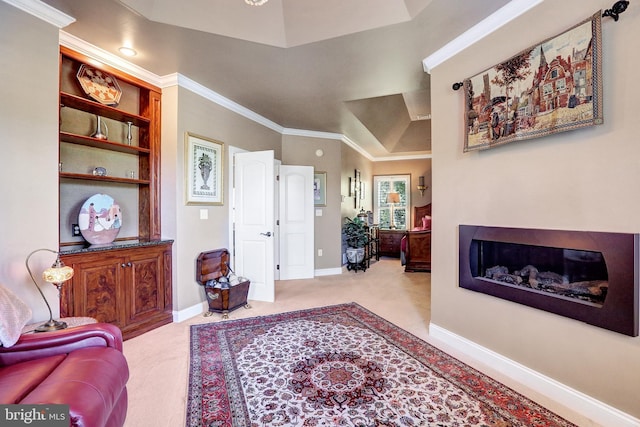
296,222
254,182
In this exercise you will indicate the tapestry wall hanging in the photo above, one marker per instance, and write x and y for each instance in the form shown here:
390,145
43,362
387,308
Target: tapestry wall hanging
552,87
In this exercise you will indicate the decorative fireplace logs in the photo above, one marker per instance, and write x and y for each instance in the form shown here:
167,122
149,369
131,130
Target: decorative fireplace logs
594,291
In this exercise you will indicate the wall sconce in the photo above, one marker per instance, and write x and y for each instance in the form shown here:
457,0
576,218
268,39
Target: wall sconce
392,199
421,186
57,274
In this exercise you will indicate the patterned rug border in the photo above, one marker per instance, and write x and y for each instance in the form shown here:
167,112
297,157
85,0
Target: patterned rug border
508,403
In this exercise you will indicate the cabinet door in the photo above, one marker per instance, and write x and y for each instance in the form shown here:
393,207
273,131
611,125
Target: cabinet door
96,290
130,288
145,290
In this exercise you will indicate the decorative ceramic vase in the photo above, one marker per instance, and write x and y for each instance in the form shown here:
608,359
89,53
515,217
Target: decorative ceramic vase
355,255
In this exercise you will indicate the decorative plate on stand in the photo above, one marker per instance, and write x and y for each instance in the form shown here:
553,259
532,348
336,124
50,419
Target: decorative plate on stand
99,85
100,219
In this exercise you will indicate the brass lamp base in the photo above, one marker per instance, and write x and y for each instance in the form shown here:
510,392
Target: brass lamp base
51,325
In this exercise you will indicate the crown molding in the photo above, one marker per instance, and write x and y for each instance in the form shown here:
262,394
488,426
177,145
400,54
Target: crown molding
108,58
404,157
43,11
502,16
329,135
347,141
353,145
216,98
312,133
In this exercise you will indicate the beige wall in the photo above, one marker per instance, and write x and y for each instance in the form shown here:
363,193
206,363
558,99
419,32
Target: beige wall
580,180
185,111
29,160
352,160
415,168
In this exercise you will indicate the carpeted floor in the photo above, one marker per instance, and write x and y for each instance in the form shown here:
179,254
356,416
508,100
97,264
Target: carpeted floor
159,359
340,365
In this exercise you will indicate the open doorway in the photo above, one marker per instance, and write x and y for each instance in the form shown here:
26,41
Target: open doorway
271,224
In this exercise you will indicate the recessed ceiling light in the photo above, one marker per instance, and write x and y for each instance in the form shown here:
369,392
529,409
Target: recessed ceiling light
127,51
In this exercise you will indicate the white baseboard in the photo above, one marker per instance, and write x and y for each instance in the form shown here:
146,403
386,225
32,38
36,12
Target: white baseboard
580,403
189,312
327,272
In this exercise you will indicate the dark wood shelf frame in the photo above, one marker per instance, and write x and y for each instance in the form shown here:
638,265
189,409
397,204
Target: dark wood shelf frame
104,178
131,285
78,103
102,144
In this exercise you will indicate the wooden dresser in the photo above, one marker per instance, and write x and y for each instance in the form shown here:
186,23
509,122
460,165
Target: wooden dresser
390,242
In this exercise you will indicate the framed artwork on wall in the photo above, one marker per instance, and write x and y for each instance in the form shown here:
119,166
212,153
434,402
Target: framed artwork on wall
554,86
357,189
320,189
204,170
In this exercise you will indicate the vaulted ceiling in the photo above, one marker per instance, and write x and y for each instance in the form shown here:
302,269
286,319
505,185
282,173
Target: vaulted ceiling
331,66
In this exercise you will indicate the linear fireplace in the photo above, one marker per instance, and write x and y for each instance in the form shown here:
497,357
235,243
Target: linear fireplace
588,276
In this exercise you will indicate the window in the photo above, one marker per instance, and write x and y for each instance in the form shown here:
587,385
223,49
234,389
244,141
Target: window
382,186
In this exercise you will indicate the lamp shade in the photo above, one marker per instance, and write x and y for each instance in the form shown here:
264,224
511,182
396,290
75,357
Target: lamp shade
393,198
57,274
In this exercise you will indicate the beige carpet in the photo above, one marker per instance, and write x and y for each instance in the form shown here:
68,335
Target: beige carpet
159,359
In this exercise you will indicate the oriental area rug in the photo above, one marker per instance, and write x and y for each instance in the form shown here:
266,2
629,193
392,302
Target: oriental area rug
340,365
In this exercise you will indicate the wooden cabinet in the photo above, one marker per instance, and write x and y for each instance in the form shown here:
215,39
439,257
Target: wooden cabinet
129,287
390,242
112,146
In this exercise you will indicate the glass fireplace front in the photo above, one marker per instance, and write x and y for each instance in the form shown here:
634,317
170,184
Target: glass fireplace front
588,276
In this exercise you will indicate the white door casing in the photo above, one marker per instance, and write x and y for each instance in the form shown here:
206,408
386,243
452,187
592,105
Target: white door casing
254,182
296,222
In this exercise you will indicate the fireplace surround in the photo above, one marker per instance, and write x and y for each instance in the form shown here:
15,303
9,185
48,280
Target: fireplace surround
583,275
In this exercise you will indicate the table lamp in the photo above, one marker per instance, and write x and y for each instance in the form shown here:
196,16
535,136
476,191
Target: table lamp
57,274
392,199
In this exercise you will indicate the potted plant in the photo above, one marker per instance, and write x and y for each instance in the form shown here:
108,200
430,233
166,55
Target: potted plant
356,237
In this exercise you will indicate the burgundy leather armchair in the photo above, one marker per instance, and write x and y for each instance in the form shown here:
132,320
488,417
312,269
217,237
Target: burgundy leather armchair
82,367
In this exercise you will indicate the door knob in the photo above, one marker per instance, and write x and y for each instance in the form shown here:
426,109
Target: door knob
268,234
